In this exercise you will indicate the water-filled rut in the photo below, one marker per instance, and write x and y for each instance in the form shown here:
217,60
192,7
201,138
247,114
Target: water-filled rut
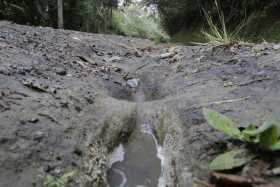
138,162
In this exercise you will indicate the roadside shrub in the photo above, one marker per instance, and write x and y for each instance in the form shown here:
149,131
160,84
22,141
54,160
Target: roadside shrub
183,14
134,21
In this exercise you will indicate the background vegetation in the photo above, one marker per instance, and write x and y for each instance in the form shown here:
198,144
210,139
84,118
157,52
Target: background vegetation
182,19
133,20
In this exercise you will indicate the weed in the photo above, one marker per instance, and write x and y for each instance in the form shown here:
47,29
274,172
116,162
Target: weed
51,181
219,33
265,136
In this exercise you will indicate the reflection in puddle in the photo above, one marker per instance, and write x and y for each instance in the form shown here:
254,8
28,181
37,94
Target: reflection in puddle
137,164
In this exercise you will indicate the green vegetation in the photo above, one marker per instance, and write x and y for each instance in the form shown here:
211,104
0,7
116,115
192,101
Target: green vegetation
219,33
51,181
222,21
259,20
133,20
265,136
231,159
84,15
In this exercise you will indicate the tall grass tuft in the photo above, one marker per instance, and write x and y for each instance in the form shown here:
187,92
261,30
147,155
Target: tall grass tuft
218,33
135,21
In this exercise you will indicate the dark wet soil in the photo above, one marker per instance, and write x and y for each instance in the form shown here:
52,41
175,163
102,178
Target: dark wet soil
66,102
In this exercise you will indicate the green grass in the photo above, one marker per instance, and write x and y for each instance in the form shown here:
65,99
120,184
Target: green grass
218,33
136,22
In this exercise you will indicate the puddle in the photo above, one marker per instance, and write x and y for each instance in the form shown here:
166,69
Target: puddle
138,163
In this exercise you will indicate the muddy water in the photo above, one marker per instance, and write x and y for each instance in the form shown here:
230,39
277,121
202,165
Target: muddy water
137,163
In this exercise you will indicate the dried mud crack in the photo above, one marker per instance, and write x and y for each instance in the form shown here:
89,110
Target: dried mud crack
69,99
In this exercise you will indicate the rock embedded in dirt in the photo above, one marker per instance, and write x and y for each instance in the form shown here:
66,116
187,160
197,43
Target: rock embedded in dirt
132,83
61,71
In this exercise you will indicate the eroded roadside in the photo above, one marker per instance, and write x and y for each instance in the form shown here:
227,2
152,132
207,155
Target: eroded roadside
67,99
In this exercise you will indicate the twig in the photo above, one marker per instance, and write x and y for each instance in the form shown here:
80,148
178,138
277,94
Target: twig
48,117
81,63
88,60
217,103
140,67
228,101
235,180
253,81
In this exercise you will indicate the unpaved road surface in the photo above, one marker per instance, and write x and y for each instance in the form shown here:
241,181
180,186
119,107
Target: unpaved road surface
67,100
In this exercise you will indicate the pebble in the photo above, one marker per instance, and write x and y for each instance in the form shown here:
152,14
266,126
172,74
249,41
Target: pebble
33,120
276,47
132,83
38,135
61,71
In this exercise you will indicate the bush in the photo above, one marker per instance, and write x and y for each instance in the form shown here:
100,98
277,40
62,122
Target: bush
134,21
179,14
84,15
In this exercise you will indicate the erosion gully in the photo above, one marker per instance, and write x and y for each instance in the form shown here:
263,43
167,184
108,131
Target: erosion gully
138,163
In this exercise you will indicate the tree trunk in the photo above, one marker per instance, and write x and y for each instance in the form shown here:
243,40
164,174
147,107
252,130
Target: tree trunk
60,13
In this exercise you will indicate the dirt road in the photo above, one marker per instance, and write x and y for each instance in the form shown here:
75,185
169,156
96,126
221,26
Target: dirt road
67,99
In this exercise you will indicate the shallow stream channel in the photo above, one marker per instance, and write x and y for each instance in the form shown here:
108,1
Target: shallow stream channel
139,162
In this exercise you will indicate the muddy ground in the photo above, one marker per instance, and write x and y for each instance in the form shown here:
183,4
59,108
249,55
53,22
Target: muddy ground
66,101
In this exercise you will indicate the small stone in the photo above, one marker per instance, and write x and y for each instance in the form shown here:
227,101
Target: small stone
106,77
57,171
61,71
276,47
38,135
132,83
137,54
53,90
33,120
165,55
114,59
228,84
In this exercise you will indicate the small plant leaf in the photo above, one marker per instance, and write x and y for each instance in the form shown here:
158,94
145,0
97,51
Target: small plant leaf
275,147
67,176
266,125
221,123
248,137
231,160
269,137
51,181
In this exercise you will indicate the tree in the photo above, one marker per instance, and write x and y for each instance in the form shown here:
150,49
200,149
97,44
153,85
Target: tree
60,13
